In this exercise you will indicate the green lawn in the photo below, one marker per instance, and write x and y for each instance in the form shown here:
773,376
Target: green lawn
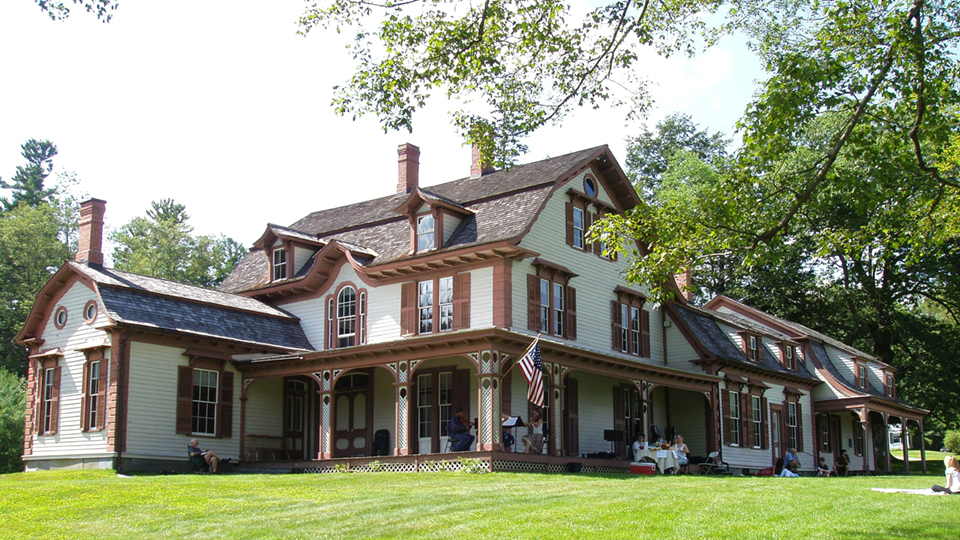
96,504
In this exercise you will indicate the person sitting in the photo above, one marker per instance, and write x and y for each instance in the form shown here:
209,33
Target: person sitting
822,469
533,441
792,458
953,477
203,458
639,446
683,455
460,431
842,464
790,471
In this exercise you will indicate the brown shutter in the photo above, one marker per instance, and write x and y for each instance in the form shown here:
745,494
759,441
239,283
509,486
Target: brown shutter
506,391
184,399
596,244
55,402
460,392
748,420
571,314
765,440
617,327
226,405
799,427
102,398
85,394
461,301
533,303
38,399
569,224
725,407
644,333
408,308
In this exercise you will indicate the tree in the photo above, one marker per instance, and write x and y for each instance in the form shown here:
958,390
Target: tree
162,245
28,182
59,11
13,402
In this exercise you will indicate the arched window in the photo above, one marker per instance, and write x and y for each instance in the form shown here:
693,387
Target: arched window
347,317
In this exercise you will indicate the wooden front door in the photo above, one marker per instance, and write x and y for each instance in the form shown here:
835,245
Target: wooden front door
776,430
354,412
836,440
440,392
295,399
571,431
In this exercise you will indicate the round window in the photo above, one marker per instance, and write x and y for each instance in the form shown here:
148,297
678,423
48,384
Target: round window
90,311
590,187
60,317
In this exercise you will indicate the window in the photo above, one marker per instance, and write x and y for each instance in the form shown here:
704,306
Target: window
589,187
857,437
861,376
824,433
425,233
47,397
631,323
424,405
436,305
205,396
578,231
49,400
205,389
279,264
552,303
793,429
60,317
346,317
757,404
734,418
888,385
446,402
92,381
752,347
788,356
90,311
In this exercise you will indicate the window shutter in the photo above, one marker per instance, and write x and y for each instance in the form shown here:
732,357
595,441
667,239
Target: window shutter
184,399
226,405
765,439
102,398
725,407
38,399
461,301
617,326
506,390
748,419
644,333
85,392
596,244
799,427
533,302
408,308
460,392
569,224
571,313
55,402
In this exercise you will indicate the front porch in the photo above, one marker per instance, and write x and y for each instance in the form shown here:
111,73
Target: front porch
496,461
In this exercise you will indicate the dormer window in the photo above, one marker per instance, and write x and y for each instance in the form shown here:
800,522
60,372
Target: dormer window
788,356
279,264
861,376
888,385
752,347
425,233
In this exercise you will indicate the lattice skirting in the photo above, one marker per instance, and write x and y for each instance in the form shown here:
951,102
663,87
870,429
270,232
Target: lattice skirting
404,467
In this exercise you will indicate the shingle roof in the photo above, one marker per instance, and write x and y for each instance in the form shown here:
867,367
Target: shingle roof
503,203
150,302
821,353
703,324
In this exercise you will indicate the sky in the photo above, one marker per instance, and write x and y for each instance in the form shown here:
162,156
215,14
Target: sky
221,106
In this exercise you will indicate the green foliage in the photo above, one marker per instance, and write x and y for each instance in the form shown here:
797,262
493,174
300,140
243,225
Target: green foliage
473,465
27,185
59,11
162,245
951,441
13,401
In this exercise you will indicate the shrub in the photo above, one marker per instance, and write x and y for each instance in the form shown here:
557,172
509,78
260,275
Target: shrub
13,398
952,441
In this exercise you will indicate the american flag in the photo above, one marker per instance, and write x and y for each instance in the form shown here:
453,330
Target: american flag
532,369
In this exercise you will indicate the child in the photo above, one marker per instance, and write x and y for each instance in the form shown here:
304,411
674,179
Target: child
822,469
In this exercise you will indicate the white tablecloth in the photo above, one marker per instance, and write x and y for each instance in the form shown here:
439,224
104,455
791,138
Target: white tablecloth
665,459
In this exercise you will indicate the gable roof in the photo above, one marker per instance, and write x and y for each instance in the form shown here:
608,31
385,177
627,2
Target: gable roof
156,304
499,206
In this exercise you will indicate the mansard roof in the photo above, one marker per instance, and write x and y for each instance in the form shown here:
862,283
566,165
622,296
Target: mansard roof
499,206
154,304
702,325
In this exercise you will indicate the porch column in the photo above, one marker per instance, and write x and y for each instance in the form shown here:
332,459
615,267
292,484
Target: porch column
923,447
401,444
489,430
326,414
903,439
556,430
243,428
886,442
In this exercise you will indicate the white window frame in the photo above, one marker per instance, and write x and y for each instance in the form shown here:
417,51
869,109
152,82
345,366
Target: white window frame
426,230
446,401
793,431
578,229
346,317
734,418
48,392
824,433
557,304
757,405
861,375
635,329
279,264
203,404
445,303
93,394
425,312
424,405
625,327
545,288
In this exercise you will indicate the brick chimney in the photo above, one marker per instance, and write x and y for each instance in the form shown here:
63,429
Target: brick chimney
408,157
91,232
477,167
684,280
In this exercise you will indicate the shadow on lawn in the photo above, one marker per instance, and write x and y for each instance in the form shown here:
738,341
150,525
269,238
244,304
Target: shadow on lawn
930,530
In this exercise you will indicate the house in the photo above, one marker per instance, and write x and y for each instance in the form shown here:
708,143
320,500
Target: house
359,330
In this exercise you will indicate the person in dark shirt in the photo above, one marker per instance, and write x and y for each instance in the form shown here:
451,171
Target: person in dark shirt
200,458
460,431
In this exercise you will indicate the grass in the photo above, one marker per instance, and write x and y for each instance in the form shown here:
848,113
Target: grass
98,504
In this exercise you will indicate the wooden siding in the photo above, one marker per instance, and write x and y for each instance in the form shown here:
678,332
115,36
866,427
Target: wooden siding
595,284
384,405
300,257
69,439
595,406
152,406
679,351
264,408
688,415
450,224
481,298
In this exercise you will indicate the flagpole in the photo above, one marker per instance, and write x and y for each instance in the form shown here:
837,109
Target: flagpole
524,354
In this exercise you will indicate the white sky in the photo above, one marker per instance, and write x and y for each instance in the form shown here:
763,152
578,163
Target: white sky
220,105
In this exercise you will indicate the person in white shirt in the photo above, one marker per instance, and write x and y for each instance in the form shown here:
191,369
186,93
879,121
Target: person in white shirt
683,455
639,445
953,477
